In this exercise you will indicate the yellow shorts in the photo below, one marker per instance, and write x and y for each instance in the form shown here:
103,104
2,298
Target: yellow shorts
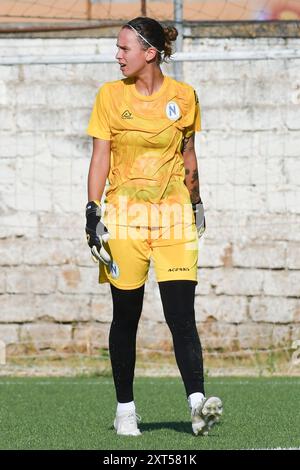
175,258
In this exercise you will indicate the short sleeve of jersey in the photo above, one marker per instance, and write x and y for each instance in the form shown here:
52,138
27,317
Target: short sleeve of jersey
195,115
99,121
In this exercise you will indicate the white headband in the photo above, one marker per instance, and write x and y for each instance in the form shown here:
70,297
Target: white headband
144,39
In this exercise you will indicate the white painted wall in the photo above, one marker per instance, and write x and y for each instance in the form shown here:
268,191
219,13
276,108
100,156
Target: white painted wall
249,161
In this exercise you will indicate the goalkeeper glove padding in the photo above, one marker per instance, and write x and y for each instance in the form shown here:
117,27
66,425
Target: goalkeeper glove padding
200,223
96,232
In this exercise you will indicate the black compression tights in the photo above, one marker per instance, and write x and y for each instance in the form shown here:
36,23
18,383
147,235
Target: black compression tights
178,305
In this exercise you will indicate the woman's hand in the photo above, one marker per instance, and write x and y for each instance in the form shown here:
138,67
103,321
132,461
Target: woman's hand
96,233
198,210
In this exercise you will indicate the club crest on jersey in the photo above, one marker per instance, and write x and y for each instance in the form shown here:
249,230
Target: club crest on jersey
172,110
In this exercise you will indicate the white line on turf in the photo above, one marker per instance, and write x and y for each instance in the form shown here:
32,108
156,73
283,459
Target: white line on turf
274,448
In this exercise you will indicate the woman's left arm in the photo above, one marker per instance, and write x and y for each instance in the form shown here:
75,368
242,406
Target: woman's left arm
191,168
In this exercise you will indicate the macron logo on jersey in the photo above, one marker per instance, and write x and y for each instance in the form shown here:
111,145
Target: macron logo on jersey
127,115
172,110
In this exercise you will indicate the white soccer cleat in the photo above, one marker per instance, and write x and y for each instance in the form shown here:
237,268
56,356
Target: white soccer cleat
205,415
126,424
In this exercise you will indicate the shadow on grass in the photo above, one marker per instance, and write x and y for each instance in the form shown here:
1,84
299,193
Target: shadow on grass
183,427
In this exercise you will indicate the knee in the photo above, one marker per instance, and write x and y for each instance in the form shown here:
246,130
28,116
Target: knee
181,324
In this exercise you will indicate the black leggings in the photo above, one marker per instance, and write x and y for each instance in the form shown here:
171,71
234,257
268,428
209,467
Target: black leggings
178,305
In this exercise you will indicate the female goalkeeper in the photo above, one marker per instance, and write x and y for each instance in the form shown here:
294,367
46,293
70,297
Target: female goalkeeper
143,131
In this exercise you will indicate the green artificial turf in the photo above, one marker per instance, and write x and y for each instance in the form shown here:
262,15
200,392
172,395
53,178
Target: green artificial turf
77,413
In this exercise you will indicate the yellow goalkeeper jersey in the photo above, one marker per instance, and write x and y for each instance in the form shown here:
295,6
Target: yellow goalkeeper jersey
146,134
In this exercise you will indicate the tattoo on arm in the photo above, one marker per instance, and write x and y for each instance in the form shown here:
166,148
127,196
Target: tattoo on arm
195,195
188,143
191,173
194,192
195,177
184,145
187,172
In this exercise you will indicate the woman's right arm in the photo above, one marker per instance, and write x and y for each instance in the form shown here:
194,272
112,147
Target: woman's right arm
99,169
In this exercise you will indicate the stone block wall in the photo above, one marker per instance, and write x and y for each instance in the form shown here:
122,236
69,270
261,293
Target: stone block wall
249,162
